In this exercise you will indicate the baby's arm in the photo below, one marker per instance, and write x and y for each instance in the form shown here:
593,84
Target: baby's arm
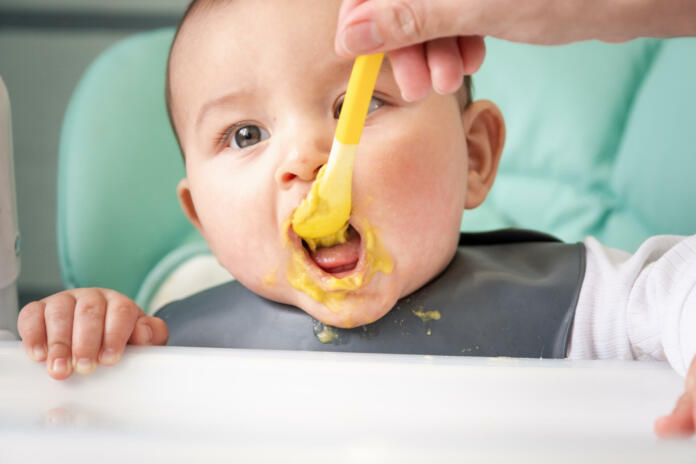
76,329
642,306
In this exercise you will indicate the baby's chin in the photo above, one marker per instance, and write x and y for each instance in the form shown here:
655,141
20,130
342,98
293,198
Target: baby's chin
351,310
340,309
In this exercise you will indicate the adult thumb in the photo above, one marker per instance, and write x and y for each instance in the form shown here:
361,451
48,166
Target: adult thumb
371,26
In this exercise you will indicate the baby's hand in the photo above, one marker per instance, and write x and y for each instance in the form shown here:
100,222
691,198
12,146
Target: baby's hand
681,421
75,329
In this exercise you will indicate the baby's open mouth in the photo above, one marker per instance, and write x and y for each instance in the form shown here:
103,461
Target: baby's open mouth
340,258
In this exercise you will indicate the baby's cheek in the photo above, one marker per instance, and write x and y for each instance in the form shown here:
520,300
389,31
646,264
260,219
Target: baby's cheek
415,177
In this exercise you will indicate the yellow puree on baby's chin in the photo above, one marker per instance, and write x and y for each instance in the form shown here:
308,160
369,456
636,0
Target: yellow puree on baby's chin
301,278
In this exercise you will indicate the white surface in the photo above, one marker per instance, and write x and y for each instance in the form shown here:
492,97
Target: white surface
213,405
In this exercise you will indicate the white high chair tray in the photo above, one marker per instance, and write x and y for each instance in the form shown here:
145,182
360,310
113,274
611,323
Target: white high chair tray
172,404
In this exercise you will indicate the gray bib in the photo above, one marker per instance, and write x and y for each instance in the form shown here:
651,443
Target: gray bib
505,293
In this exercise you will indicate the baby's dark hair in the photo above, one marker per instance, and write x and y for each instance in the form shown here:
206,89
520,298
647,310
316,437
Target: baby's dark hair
464,94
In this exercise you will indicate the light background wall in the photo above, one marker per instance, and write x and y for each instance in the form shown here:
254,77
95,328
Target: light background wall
45,46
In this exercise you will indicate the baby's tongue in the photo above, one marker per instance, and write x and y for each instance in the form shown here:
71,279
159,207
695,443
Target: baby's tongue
338,258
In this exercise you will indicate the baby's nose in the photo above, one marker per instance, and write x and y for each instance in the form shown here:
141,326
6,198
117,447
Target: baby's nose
300,165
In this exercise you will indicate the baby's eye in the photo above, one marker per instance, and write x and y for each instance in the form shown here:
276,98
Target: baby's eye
375,103
248,135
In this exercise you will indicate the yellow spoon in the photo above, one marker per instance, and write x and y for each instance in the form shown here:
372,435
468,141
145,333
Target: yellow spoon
326,208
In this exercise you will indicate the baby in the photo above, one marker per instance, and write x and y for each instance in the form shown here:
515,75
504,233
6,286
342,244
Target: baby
254,90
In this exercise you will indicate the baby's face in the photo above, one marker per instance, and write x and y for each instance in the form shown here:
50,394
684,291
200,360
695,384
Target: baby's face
256,87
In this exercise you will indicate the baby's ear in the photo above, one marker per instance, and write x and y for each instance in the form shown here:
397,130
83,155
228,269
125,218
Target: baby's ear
183,191
485,136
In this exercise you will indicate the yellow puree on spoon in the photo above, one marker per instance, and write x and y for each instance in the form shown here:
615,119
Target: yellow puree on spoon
324,213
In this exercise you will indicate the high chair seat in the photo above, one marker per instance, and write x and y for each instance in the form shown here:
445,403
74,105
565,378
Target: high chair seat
600,142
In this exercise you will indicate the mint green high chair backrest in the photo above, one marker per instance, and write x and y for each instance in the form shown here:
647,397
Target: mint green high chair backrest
601,141
119,165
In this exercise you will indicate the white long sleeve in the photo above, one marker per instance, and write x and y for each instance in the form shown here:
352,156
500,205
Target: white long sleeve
640,306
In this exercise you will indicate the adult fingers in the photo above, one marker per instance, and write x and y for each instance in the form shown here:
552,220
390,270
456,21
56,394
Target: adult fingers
384,25
473,51
88,328
680,422
121,314
58,315
411,72
32,329
445,64
346,7
149,331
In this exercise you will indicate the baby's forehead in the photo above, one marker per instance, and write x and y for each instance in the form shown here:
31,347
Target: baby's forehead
269,23
245,44
247,37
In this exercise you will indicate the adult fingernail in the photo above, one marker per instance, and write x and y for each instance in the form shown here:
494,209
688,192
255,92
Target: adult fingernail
39,352
361,38
84,366
60,366
412,97
109,356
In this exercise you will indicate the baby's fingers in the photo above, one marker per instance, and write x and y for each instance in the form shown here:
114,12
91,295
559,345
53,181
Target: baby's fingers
88,328
150,331
32,329
121,316
681,421
58,315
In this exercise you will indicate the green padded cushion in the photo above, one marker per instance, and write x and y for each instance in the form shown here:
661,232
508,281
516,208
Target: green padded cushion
600,142
656,162
590,126
119,165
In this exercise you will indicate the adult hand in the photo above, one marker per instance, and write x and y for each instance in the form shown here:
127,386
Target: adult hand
434,43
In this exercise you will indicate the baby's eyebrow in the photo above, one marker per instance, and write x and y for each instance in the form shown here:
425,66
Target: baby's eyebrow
219,101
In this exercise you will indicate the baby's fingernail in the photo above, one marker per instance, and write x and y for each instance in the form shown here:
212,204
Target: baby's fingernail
361,38
39,352
109,357
148,333
60,366
84,366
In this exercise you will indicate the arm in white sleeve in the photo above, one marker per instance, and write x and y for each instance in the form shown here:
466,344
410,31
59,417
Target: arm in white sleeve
640,306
